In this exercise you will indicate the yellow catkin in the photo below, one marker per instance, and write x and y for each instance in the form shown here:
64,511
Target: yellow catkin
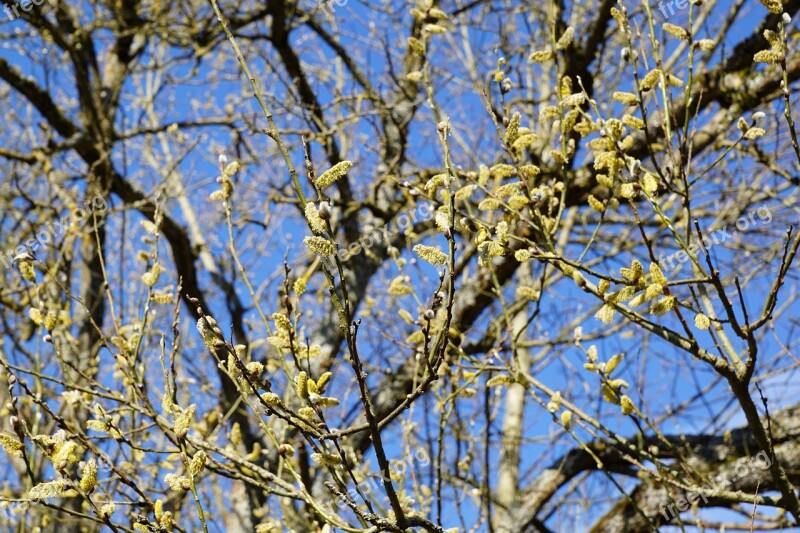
198,462
512,130
626,98
627,405
768,56
50,489
302,385
676,31
701,321
11,445
337,171
430,254
633,122
774,6
540,56
320,245
650,79
177,483
316,223
326,459
605,314
566,39
596,204
663,306
89,479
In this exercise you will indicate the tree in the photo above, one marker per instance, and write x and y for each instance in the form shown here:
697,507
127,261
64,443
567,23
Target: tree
486,266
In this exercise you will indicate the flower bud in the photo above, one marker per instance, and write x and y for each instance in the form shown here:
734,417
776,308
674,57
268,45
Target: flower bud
286,449
324,211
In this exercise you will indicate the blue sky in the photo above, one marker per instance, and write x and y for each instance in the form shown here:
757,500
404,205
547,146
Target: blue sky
666,377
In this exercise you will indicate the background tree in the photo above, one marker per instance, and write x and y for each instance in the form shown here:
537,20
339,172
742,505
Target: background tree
491,266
